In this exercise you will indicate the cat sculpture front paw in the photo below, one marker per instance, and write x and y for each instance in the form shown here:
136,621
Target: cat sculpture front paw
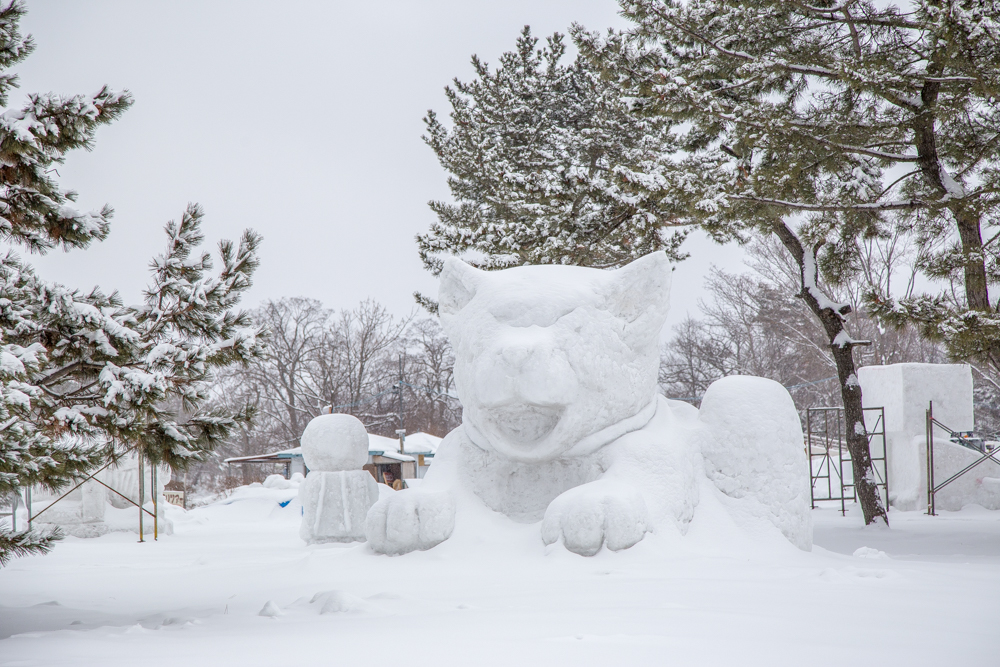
595,514
410,520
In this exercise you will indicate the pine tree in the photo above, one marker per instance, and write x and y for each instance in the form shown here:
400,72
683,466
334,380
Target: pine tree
828,122
859,117
85,379
547,165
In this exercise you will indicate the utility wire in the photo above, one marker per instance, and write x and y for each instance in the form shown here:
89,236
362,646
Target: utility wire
430,391
392,390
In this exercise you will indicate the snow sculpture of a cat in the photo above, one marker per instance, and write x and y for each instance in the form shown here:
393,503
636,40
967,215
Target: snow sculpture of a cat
556,367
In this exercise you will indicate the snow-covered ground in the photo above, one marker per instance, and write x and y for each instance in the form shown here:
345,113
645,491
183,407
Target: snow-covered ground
926,592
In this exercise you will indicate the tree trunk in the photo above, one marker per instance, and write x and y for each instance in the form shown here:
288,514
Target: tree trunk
842,347
857,439
966,220
977,293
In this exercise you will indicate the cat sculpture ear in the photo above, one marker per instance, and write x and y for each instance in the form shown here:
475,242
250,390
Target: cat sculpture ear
459,283
639,293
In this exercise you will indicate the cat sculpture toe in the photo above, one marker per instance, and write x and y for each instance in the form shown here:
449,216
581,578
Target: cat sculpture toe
596,514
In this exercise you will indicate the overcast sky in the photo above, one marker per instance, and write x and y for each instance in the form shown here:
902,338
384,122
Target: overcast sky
301,120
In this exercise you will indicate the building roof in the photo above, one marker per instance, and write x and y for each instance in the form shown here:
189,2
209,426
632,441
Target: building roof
392,456
283,455
416,443
422,443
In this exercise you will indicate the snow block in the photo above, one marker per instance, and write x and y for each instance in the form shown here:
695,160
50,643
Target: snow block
904,391
335,442
757,454
335,505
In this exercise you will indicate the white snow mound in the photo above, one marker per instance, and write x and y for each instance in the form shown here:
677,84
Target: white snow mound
755,452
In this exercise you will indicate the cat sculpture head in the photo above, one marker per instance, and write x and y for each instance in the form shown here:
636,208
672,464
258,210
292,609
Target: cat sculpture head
555,361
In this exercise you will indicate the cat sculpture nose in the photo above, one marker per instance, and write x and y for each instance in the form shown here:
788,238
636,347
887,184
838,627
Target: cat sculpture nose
516,355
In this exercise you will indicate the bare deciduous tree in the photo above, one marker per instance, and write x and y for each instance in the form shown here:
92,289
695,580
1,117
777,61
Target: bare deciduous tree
753,325
389,372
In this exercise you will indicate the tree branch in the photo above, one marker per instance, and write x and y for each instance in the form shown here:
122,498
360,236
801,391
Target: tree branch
798,206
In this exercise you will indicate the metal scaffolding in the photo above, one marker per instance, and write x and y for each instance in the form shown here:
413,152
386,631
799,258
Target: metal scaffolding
932,490
830,460
92,477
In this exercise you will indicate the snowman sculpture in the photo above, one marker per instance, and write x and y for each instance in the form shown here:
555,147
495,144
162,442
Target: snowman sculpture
337,494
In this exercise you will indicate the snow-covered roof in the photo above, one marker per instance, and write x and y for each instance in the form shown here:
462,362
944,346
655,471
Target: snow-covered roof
395,456
416,443
380,443
295,452
422,443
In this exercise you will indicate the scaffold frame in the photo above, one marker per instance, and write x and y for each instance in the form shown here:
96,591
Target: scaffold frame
830,461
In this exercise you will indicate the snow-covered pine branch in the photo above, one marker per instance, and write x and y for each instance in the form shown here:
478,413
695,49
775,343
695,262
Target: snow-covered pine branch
549,163
861,117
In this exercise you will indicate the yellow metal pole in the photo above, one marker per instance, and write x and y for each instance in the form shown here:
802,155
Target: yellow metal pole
930,457
154,494
142,491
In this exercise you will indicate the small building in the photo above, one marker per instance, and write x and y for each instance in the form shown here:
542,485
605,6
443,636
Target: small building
385,461
423,446
418,447
384,455
291,459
